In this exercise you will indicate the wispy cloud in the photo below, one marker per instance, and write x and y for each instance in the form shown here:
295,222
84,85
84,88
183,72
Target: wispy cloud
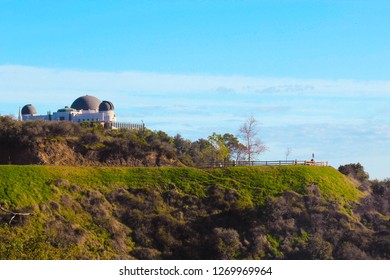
334,118
274,100
21,79
288,88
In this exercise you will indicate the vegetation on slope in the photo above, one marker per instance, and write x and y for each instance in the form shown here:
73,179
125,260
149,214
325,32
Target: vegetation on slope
22,184
105,212
89,144
184,213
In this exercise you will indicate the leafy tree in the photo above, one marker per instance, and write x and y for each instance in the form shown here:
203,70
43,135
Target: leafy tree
202,151
183,148
221,151
161,143
237,149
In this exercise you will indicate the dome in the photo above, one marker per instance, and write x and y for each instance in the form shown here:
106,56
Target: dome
29,110
86,102
106,106
66,109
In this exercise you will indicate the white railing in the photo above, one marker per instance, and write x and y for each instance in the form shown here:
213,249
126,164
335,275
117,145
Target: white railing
124,125
262,163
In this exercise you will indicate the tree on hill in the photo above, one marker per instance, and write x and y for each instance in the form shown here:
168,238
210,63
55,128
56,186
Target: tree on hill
220,150
236,148
183,148
248,132
288,152
355,170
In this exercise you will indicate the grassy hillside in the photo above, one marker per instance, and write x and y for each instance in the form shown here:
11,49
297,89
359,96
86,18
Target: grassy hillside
114,212
24,186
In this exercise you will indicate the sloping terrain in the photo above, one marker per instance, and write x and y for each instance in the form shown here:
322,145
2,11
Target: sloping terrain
288,212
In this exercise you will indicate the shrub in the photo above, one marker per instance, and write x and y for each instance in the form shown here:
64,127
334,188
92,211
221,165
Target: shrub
146,254
349,251
319,249
355,170
226,243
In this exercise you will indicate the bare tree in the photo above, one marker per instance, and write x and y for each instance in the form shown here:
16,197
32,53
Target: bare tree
288,152
249,132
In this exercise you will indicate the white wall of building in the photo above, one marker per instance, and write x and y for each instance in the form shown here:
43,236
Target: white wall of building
75,116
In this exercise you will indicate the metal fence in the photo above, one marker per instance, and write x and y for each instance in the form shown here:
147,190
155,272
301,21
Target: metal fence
124,125
261,163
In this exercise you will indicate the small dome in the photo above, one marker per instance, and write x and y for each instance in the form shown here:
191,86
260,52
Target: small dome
66,109
86,102
29,110
106,106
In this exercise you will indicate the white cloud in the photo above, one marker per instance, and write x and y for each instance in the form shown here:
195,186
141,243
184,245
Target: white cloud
21,79
337,119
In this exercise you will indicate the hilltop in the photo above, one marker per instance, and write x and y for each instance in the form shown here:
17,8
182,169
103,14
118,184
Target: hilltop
182,213
79,191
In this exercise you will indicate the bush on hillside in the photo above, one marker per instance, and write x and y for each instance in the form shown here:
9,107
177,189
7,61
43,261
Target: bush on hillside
355,170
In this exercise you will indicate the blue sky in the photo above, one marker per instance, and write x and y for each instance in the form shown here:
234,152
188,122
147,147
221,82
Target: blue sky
313,73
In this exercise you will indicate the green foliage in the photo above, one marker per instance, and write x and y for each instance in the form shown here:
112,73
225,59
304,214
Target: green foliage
236,149
168,213
355,170
266,181
219,147
67,143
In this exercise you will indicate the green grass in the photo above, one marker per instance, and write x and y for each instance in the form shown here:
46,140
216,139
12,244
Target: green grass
58,195
22,186
262,182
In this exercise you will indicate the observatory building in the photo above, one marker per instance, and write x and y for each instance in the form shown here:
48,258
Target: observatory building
84,109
